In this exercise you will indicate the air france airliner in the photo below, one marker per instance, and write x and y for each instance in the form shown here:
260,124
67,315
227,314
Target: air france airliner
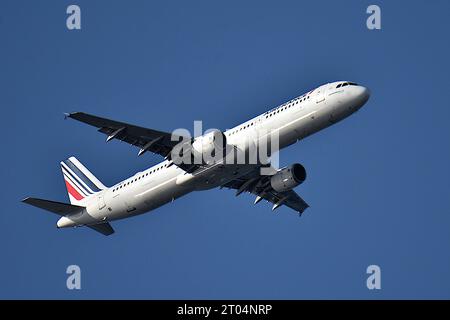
94,205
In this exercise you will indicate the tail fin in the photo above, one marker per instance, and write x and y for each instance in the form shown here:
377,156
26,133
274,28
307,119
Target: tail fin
80,182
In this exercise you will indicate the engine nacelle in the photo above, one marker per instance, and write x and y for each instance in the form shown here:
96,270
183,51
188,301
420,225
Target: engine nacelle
288,178
209,144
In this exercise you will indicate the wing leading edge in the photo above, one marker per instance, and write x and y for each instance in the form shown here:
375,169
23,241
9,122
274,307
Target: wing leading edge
155,141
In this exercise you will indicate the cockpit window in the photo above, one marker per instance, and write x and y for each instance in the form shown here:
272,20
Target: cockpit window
346,84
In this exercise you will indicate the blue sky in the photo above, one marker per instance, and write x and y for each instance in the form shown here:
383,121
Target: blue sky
378,182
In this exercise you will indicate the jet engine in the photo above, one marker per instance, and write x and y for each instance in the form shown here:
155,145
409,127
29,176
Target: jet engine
288,178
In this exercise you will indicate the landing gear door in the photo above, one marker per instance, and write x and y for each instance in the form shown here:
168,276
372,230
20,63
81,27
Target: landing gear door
101,202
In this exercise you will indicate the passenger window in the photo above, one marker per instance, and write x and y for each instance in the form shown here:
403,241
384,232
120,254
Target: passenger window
345,84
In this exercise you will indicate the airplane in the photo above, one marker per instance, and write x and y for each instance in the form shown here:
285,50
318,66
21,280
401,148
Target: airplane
94,205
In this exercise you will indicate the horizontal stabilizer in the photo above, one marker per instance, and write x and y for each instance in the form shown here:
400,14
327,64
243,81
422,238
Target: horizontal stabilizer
59,208
103,228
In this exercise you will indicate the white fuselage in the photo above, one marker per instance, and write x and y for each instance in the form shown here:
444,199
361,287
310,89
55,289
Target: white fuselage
163,183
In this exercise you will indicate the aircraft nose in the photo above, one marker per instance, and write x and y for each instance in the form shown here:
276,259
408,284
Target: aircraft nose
362,94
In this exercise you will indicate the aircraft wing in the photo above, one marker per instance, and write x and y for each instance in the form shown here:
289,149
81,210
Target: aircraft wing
259,185
155,141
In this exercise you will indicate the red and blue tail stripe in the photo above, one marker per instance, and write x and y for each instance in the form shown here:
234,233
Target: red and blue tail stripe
79,181
81,177
72,191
